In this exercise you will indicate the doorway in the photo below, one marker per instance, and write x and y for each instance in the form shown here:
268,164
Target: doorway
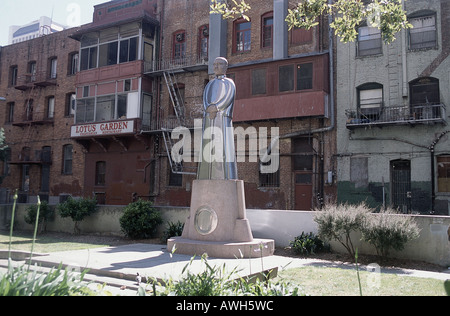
303,164
401,185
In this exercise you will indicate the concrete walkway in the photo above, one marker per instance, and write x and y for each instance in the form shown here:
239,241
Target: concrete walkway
119,265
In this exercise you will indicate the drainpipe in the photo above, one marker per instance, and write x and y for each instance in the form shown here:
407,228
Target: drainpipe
404,60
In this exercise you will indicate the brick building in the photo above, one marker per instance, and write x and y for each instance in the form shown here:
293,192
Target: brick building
282,81
142,68
38,81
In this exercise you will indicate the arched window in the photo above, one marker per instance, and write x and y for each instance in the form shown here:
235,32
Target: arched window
267,30
370,100
242,36
203,42
425,98
179,45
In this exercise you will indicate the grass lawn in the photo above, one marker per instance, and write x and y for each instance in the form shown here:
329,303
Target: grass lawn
318,281
46,243
315,281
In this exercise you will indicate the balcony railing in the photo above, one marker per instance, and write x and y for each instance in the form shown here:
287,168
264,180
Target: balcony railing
397,115
41,79
187,63
28,157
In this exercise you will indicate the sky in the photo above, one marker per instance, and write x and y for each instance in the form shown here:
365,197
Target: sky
68,12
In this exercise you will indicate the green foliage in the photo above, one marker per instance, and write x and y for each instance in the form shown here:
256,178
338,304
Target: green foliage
46,214
338,222
140,220
231,10
216,281
447,287
389,230
174,230
77,210
388,16
307,244
21,282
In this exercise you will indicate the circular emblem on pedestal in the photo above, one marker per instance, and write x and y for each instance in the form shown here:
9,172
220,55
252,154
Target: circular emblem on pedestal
205,220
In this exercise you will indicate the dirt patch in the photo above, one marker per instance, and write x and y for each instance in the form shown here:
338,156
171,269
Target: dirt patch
365,260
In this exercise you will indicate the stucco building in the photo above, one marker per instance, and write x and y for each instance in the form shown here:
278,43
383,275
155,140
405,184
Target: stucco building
393,135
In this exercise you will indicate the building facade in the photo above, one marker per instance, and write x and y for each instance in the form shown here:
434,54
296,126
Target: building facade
393,135
138,71
38,82
282,81
41,27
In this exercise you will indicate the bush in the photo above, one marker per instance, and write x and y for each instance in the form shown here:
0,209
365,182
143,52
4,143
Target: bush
46,214
78,210
140,220
389,230
307,244
337,222
174,230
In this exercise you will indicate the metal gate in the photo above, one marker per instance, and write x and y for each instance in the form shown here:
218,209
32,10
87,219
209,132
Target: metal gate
401,185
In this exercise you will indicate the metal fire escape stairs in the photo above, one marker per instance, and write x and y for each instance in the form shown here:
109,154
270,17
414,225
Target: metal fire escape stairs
179,109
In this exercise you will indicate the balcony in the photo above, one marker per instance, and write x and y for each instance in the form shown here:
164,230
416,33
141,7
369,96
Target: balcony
31,118
38,157
396,115
187,63
39,79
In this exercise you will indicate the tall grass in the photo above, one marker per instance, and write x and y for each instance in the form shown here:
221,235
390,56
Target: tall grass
19,281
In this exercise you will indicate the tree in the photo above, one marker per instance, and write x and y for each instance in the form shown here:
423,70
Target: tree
386,15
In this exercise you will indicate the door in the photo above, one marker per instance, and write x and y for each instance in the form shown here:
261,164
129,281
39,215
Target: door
401,185
303,191
303,161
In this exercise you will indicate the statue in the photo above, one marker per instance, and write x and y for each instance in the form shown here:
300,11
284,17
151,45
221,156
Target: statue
218,156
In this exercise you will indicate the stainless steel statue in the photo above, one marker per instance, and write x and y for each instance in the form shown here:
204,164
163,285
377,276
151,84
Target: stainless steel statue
218,156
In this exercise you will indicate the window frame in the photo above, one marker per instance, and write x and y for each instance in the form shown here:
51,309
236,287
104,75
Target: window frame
267,41
421,15
374,35
247,37
179,45
67,161
443,181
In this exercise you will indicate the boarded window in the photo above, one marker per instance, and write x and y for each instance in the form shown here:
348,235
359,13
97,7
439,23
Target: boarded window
359,174
258,81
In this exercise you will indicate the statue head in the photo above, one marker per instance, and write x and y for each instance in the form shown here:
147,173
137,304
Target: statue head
220,66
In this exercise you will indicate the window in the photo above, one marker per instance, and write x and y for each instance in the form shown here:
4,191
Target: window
175,179
67,159
243,36
71,100
443,163
128,50
73,64
50,107
305,76
369,41
7,159
88,58
204,41
10,112
269,179
425,98
423,33
303,154
29,110
258,81
13,74
108,54
267,30
85,110
32,71
370,100
53,68
179,45
286,78
105,108
100,173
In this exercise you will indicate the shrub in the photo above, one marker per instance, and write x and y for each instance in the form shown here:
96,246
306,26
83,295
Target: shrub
174,230
307,244
78,210
337,222
46,213
389,230
140,220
